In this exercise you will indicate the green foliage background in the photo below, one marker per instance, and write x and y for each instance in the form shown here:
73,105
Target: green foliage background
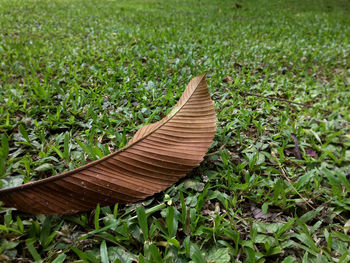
78,78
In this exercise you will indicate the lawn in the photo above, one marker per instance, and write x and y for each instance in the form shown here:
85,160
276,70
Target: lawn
78,78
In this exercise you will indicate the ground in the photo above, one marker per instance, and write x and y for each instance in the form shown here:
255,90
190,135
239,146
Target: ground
79,77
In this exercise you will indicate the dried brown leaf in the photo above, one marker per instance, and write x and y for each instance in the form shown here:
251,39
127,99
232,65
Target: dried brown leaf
156,157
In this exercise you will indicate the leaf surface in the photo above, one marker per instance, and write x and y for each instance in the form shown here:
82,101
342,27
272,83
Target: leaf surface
156,157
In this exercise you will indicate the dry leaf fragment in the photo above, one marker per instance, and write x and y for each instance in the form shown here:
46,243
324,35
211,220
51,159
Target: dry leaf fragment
296,149
259,214
228,79
311,152
156,157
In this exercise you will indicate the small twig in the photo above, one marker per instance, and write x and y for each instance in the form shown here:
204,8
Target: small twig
280,99
238,255
218,151
150,210
291,184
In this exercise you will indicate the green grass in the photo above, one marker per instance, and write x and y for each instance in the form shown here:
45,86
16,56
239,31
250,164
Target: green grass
79,77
